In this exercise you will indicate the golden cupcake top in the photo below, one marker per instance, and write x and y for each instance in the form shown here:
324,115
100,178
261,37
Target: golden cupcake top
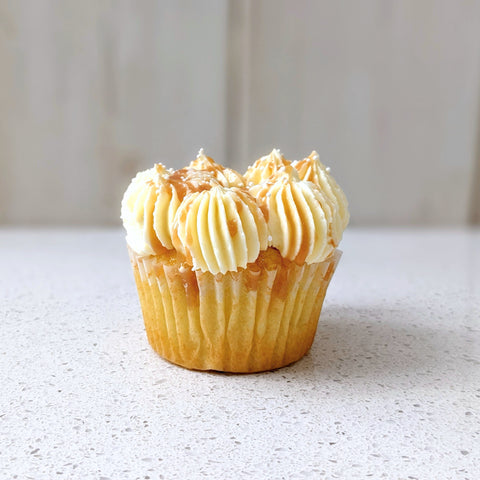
220,220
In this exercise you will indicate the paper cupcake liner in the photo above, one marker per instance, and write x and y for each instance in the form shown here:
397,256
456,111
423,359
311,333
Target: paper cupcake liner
259,318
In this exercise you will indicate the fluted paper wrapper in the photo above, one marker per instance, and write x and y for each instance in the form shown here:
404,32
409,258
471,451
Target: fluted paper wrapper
259,318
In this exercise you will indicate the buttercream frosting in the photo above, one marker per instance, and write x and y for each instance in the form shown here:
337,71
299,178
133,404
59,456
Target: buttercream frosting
220,220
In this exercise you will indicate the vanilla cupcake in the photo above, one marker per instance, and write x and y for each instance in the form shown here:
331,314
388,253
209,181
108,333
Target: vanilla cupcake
232,269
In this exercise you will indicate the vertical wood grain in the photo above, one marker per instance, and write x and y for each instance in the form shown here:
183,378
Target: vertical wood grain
94,91
475,181
387,92
238,82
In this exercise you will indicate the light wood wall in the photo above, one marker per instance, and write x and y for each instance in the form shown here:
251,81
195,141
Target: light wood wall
387,91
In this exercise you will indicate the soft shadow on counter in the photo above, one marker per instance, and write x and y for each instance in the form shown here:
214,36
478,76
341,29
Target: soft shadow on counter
383,344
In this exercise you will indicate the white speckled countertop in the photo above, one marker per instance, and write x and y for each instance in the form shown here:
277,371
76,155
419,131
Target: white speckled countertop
390,389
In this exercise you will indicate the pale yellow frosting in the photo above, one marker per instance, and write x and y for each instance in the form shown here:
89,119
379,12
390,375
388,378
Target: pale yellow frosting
220,220
299,217
312,170
137,211
225,176
266,166
220,229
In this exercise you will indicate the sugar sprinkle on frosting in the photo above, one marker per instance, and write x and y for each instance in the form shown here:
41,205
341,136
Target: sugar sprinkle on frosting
220,220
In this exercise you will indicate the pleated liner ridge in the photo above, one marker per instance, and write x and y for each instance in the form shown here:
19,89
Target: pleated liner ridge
259,318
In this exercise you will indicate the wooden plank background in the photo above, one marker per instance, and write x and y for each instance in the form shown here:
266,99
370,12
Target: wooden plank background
387,91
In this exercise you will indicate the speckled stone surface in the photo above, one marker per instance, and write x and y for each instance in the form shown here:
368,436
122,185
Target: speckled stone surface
390,389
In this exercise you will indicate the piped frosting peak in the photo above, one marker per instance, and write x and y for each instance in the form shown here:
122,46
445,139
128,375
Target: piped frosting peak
220,220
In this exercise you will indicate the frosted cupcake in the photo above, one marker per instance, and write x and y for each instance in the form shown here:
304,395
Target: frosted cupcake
232,269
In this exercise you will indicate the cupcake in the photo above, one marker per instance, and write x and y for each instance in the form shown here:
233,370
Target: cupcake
232,269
